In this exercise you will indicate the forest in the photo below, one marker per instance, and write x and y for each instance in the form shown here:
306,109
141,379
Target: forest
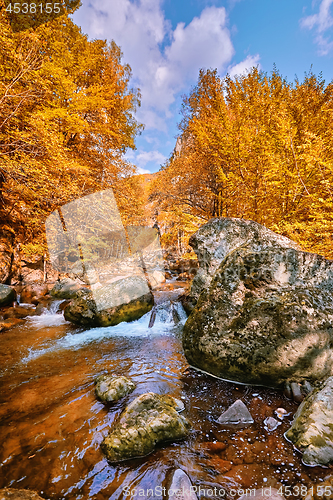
160,330
254,146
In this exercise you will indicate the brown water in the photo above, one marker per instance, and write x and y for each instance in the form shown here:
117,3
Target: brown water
52,424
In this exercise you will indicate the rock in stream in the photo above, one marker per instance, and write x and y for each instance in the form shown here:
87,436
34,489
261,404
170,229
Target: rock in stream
312,428
266,317
149,419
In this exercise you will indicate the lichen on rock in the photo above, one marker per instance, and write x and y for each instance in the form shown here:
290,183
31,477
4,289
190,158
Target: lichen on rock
220,236
312,428
150,419
266,317
7,295
83,309
67,289
113,387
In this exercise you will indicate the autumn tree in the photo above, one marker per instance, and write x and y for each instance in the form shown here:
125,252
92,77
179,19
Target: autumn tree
66,119
256,147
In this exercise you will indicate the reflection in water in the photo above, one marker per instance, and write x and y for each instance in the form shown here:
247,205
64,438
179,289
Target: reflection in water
52,425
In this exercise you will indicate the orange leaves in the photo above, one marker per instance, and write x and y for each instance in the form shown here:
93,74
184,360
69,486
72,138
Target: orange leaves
260,148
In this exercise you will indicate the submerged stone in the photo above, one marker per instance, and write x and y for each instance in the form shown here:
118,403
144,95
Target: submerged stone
281,413
148,420
312,428
180,487
237,413
112,387
270,424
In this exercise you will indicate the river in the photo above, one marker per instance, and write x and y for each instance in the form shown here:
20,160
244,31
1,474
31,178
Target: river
52,424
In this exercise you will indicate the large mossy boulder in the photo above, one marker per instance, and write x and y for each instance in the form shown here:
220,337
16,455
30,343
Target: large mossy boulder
266,318
312,428
216,239
148,420
124,300
7,295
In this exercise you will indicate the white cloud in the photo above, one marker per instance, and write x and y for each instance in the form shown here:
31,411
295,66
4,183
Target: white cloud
244,67
163,62
149,156
143,171
322,21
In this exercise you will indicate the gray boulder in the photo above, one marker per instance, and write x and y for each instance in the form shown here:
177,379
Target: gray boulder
312,428
66,289
111,387
148,420
115,301
265,319
216,239
7,295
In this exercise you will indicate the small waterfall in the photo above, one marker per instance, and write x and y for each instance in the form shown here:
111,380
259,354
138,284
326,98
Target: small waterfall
169,316
50,316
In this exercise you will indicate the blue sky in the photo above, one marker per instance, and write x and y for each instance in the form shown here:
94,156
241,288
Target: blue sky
166,42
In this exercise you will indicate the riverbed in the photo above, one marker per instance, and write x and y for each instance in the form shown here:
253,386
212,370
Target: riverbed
51,423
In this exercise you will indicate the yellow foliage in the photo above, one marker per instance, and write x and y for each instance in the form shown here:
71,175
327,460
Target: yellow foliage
256,147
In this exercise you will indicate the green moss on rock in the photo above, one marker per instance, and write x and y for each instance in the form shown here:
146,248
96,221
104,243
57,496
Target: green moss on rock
83,309
266,318
311,431
112,387
148,420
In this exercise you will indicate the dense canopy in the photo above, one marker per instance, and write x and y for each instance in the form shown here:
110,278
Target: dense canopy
66,118
254,147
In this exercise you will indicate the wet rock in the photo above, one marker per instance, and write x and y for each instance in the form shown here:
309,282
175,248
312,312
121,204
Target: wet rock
264,493
111,387
281,413
7,295
7,324
322,490
237,413
306,388
33,293
312,430
19,312
220,236
66,289
270,424
287,390
83,309
266,318
296,392
14,494
149,419
180,487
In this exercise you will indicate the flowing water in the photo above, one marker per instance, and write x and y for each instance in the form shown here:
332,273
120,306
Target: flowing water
51,424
